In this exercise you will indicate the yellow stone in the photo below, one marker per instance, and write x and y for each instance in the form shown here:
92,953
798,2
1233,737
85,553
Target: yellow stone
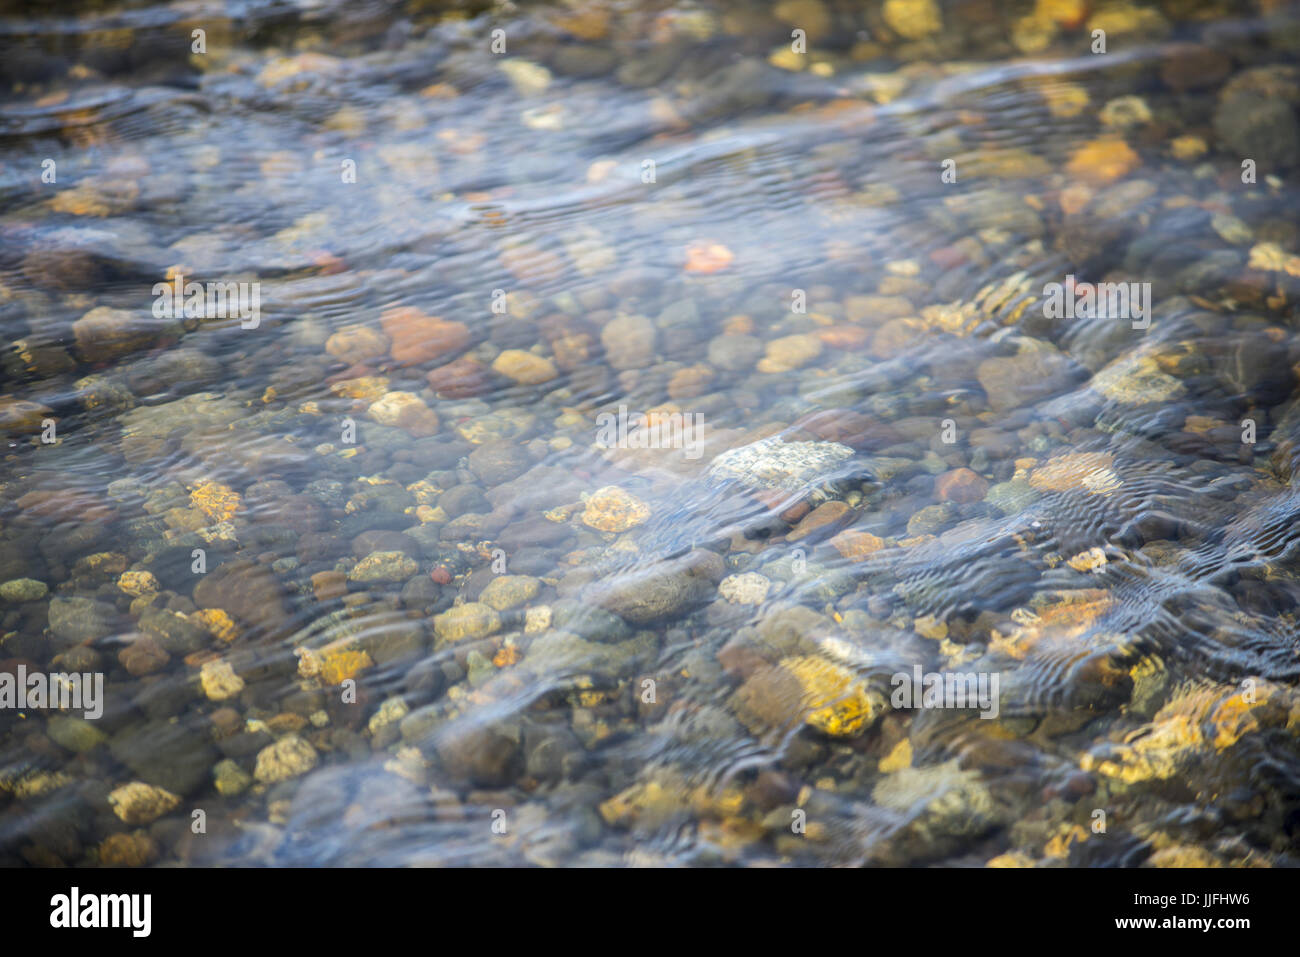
611,509
339,664
368,388
790,352
137,583
1070,471
216,501
524,367
897,759
218,623
855,545
1103,160
913,19
406,411
836,701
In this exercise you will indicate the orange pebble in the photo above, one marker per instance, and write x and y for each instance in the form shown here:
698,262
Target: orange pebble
708,257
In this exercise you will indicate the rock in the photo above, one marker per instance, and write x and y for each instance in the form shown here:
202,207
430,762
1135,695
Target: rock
471,620
219,680
461,378
790,352
734,352
656,594
418,338
1011,497
406,411
104,334
75,734
848,427
611,509
943,800
340,662
128,850
229,778
1035,373
1255,125
749,588
496,463
529,79
23,590
137,583
177,634
782,466
629,342
488,756
811,16
855,545
808,689
467,499
167,755
913,19
929,520
584,60
825,516
1103,160
356,344
524,367
287,758
329,585
139,803
384,567
961,486
74,621
1075,471
509,591
248,591
144,656
1135,379
20,417
384,540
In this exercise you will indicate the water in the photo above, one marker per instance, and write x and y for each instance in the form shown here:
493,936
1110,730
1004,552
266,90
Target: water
566,653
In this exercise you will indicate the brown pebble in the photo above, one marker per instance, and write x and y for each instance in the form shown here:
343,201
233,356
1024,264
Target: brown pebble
329,585
825,516
960,486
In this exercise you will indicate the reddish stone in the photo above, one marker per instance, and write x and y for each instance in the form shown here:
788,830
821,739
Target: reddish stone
462,378
961,486
417,337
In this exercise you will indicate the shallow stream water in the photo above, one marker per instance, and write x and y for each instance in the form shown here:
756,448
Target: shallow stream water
624,402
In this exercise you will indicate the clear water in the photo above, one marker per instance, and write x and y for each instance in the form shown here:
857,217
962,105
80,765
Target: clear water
666,208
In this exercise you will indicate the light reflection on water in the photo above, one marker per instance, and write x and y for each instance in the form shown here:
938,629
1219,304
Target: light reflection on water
649,210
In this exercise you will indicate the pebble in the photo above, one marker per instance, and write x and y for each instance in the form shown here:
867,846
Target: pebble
789,353
285,759
611,509
510,591
23,590
384,567
139,803
229,778
405,410
629,342
773,464
961,486
529,79
75,734
524,367
219,680
749,588
913,19
471,620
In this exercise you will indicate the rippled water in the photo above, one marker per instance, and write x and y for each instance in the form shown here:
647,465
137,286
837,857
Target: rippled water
366,581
